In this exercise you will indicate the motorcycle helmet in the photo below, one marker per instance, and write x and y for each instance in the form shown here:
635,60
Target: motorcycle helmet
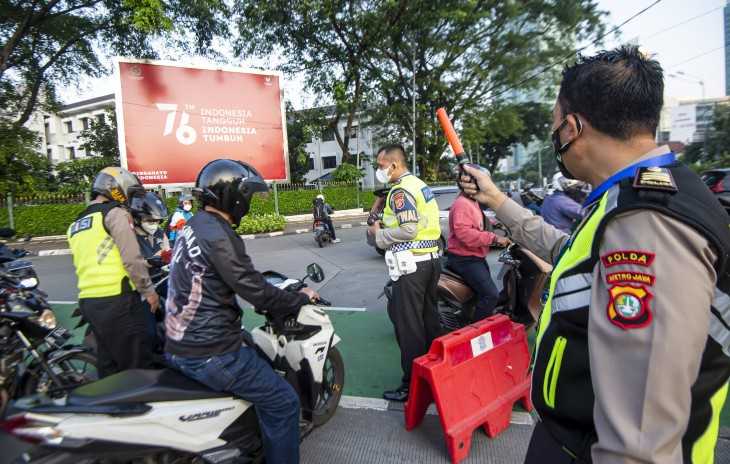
183,198
228,185
117,184
563,184
148,208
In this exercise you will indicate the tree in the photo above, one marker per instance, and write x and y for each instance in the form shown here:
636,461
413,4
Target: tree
714,151
347,172
22,168
44,44
301,128
76,176
329,39
100,139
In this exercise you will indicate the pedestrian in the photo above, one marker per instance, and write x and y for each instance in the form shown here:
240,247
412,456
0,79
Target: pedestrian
321,211
633,346
411,236
558,208
468,247
180,217
112,274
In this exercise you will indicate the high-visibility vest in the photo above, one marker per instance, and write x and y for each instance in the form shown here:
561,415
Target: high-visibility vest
429,228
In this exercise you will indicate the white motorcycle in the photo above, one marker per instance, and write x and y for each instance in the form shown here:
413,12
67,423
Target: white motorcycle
160,416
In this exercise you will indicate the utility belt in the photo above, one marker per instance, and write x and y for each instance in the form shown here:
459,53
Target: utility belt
405,262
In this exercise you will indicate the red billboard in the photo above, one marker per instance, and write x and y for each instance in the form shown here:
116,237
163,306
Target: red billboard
174,119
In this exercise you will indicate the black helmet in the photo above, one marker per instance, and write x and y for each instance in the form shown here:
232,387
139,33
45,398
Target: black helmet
228,185
117,184
148,207
183,198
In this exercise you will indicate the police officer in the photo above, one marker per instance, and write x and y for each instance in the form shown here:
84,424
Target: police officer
633,345
411,238
112,273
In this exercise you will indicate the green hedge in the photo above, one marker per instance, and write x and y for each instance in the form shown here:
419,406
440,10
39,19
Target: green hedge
300,201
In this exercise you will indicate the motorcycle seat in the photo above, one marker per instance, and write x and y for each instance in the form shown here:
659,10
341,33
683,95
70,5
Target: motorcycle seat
141,386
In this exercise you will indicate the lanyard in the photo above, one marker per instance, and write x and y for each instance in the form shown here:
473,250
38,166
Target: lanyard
656,161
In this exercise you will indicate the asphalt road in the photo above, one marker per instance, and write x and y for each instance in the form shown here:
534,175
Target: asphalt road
354,273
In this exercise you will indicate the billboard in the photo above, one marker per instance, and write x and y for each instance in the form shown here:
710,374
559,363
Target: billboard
684,123
173,119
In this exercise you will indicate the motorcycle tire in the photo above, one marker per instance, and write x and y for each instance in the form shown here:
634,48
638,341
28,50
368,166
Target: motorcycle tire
61,367
380,251
333,381
319,242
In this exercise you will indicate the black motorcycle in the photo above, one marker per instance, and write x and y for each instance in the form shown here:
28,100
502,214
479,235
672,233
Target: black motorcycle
35,354
11,261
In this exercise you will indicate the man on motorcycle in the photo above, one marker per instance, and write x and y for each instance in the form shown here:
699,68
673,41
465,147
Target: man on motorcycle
558,208
321,211
633,345
112,273
203,322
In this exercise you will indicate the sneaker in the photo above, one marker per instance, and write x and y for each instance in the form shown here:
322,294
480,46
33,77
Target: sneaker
337,240
400,394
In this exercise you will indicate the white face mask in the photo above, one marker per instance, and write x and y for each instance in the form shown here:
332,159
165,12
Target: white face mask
150,227
187,207
383,175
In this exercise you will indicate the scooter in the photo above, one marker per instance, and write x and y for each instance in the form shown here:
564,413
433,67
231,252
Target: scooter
161,416
523,275
321,233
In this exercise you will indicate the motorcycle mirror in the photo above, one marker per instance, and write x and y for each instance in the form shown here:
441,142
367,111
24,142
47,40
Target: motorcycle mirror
6,232
315,272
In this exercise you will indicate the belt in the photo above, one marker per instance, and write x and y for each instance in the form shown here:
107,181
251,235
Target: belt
419,257
415,245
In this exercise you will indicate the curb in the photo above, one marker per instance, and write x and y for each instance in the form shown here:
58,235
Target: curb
281,233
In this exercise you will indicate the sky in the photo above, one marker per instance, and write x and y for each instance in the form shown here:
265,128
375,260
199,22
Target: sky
686,36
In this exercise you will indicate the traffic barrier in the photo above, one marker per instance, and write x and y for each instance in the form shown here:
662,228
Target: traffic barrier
475,375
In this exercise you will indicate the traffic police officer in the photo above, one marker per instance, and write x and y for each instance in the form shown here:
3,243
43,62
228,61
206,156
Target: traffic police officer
112,273
633,345
411,237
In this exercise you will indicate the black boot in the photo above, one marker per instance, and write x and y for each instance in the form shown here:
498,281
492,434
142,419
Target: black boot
400,394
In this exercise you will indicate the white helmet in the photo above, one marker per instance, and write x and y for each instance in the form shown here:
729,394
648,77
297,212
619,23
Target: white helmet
562,183
320,197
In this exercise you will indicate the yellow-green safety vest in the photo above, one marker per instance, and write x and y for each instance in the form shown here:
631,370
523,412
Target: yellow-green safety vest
429,227
97,260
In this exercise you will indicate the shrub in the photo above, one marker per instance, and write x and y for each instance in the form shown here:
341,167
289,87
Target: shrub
258,224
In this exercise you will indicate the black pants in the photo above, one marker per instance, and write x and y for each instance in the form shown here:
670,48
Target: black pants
475,272
331,227
120,327
545,449
413,309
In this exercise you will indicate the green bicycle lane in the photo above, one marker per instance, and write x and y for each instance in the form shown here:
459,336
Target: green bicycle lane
369,349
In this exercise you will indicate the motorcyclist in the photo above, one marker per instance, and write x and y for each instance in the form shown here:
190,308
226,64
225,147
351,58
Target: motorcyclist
180,216
148,213
209,268
559,209
321,211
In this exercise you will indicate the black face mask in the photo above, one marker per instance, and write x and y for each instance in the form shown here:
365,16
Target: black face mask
561,149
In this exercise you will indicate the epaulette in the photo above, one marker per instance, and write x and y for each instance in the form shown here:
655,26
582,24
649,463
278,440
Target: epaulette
655,178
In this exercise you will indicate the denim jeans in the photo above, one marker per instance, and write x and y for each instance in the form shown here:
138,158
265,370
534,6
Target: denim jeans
246,375
475,272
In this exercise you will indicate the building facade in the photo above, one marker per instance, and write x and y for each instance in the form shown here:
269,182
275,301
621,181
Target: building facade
59,132
692,119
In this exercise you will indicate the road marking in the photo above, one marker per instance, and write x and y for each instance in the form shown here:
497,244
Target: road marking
248,237
343,308
346,226
363,223
301,231
54,252
62,302
275,234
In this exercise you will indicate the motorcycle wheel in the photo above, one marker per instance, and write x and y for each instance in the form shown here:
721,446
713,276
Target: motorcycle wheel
380,251
74,369
333,381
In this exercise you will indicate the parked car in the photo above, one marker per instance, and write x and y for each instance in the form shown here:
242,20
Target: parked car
718,181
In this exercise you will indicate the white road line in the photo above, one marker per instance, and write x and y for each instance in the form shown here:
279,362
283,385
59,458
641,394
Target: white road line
301,231
346,226
363,223
54,252
248,237
62,302
275,234
342,308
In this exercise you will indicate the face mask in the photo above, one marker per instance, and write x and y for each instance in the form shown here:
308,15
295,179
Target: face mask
383,175
561,149
187,207
150,227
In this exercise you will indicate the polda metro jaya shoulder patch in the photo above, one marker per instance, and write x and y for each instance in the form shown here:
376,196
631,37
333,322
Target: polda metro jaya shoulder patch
638,257
628,306
655,178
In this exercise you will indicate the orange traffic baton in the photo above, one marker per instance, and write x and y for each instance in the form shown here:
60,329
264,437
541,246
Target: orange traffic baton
474,375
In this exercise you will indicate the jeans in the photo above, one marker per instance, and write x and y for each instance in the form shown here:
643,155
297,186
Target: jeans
246,375
475,272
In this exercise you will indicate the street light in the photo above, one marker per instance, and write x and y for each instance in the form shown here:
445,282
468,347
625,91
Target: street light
689,78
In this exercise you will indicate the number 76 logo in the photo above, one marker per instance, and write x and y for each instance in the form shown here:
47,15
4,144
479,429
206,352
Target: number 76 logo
184,133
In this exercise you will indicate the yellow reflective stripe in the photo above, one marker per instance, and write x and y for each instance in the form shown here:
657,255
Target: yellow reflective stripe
703,451
550,384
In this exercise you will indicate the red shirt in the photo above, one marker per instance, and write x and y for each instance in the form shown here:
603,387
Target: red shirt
467,236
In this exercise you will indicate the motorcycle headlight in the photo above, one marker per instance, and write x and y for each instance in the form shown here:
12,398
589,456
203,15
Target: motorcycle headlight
47,319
